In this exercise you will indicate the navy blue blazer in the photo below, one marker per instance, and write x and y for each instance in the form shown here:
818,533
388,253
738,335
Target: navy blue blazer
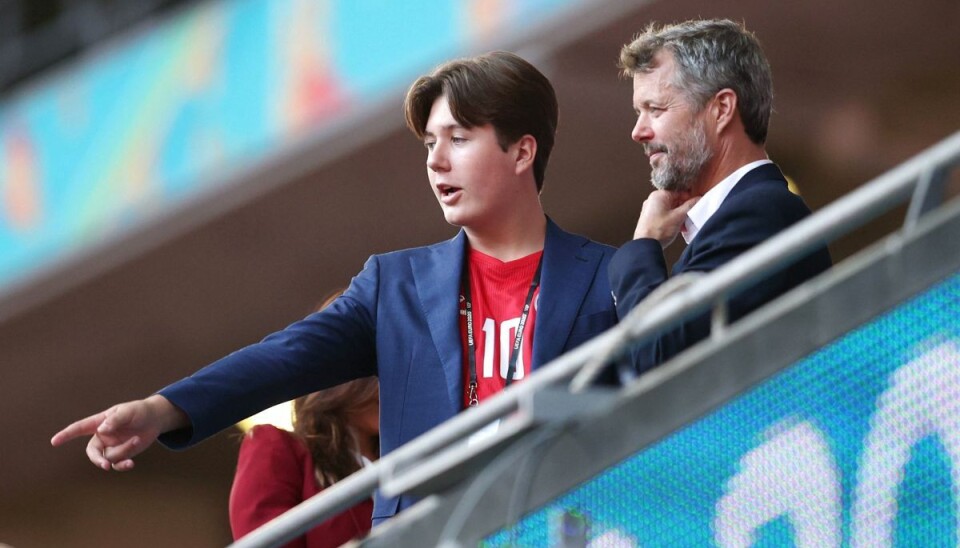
759,206
399,320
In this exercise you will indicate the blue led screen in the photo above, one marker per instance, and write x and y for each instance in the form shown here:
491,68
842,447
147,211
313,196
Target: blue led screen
857,444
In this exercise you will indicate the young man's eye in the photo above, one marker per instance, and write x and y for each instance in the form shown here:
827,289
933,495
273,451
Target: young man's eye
429,144
458,140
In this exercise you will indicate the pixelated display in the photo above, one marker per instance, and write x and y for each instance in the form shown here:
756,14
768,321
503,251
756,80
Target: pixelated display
858,444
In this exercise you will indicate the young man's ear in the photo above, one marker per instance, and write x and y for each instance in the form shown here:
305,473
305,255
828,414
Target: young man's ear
525,151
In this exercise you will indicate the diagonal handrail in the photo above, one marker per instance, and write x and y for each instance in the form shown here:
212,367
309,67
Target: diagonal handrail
832,221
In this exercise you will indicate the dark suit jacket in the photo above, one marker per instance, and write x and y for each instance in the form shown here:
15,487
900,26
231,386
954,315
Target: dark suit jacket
758,206
399,319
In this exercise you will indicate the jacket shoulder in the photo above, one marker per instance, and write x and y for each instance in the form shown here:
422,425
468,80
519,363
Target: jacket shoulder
419,251
578,240
765,197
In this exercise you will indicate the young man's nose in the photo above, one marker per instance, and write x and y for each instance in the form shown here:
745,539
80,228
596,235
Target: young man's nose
437,158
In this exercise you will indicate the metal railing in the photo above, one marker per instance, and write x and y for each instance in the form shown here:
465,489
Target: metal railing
921,179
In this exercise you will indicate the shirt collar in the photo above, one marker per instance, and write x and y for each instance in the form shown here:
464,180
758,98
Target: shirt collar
710,202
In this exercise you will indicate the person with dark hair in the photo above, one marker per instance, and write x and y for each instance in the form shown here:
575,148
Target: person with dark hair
703,94
442,327
334,432
491,90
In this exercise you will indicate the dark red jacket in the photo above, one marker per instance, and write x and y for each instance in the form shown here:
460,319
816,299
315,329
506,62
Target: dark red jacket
275,473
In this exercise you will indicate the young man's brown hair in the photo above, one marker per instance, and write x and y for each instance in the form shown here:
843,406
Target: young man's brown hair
497,88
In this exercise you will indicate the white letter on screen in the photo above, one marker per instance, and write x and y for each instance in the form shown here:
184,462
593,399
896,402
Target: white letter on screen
923,399
791,474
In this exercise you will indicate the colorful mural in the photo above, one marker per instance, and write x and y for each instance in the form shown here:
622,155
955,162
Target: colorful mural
158,116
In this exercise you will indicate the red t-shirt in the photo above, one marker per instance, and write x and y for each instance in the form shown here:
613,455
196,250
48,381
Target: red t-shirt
497,291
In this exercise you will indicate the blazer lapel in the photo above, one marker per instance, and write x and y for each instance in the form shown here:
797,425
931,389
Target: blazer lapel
437,276
568,270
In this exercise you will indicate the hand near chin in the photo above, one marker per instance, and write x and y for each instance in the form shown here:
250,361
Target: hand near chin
663,214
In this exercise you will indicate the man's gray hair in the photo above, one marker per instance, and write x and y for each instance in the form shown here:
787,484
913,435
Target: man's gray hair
710,55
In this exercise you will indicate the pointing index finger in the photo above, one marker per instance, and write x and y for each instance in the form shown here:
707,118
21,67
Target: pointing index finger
83,427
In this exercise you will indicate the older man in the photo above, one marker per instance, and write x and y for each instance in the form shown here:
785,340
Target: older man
703,93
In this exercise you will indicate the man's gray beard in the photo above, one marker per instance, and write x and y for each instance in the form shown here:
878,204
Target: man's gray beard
683,163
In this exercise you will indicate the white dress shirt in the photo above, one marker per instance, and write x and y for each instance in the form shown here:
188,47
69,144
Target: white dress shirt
710,202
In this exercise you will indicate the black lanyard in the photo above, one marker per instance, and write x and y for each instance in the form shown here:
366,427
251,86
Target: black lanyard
517,340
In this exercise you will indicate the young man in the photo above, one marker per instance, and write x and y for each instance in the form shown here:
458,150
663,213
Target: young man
703,94
426,321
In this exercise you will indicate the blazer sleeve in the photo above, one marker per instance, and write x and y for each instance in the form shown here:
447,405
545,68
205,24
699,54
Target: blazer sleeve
324,349
636,270
269,480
